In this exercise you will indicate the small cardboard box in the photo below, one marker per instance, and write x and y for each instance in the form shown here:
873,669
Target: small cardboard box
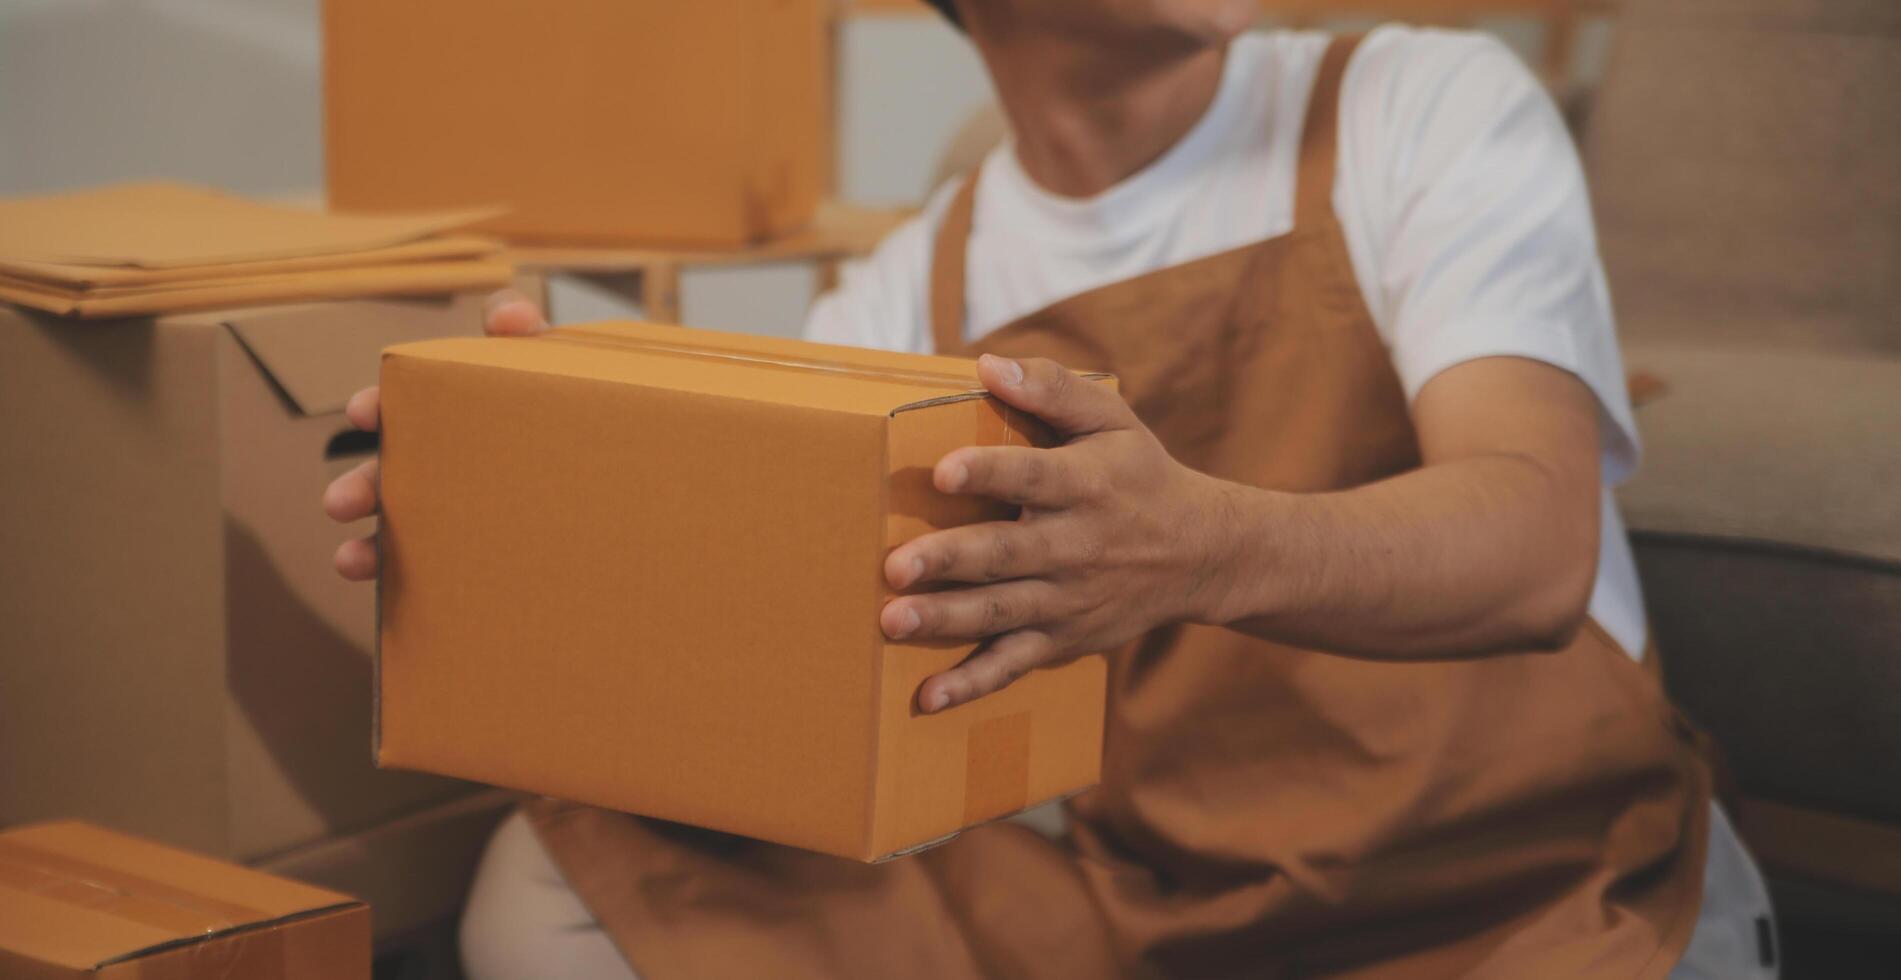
641,567
592,120
78,901
178,658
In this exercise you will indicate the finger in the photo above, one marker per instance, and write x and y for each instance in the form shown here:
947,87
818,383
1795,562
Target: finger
994,667
352,496
969,614
365,409
988,552
1015,474
1049,391
510,314
356,560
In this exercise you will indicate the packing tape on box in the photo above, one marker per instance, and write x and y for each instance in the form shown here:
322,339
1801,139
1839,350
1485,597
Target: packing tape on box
997,767
582,335
97,888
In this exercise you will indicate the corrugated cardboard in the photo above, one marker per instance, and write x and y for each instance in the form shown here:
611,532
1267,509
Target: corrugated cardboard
178,658
641,567
607,121
79,901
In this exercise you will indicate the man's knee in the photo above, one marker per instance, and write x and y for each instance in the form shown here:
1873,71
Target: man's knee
524,921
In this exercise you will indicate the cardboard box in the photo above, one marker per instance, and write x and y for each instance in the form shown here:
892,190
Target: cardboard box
178,658
592,120
641,567
77,900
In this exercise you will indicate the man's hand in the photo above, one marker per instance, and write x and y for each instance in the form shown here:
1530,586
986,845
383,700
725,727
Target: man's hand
1115,538
352,496
1489,547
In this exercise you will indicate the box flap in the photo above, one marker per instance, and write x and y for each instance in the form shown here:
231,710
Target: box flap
80,896
159,224
321,354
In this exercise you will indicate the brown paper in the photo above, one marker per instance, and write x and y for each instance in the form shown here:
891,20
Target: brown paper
163,225
104,277
407,279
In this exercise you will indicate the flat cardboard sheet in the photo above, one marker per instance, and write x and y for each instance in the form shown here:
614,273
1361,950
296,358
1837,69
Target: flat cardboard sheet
164,225
62,275
404,279
77,899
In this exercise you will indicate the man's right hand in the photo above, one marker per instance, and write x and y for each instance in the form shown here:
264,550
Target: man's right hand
352,496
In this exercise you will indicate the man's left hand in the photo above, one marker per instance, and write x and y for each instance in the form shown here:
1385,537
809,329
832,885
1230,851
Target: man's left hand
1114,539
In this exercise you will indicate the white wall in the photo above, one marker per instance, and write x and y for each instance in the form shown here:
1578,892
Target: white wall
905,84
223,92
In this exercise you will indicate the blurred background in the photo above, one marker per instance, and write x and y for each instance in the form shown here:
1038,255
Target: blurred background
1745,159
229,93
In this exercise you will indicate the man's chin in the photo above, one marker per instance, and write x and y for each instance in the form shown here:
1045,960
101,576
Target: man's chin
1190,27
1157,25
1209,22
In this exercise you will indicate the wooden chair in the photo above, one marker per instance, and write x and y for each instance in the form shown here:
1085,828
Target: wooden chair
1742,157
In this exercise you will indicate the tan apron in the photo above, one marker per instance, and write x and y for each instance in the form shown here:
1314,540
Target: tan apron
1264,811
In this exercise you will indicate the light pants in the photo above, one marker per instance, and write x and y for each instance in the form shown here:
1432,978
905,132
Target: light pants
524,923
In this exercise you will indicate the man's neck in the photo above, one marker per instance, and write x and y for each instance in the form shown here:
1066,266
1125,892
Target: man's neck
1085,116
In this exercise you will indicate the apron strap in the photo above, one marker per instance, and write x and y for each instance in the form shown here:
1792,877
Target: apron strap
1319,138
947,267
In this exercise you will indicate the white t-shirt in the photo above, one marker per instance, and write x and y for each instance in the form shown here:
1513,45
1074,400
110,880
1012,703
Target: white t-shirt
1469,227
1464,208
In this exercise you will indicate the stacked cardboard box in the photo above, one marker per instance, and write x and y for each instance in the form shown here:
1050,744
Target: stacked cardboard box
178,658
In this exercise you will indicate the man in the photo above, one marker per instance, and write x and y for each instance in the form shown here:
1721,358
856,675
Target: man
1374,632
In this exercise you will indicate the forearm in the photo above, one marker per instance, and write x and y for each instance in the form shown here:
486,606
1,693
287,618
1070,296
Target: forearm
1485,554
1490,546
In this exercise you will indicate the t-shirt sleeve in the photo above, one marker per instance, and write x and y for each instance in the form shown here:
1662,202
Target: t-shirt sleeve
1469,222
883,300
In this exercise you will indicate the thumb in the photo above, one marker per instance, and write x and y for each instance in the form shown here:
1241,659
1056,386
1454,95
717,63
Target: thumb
508,313
1053,393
